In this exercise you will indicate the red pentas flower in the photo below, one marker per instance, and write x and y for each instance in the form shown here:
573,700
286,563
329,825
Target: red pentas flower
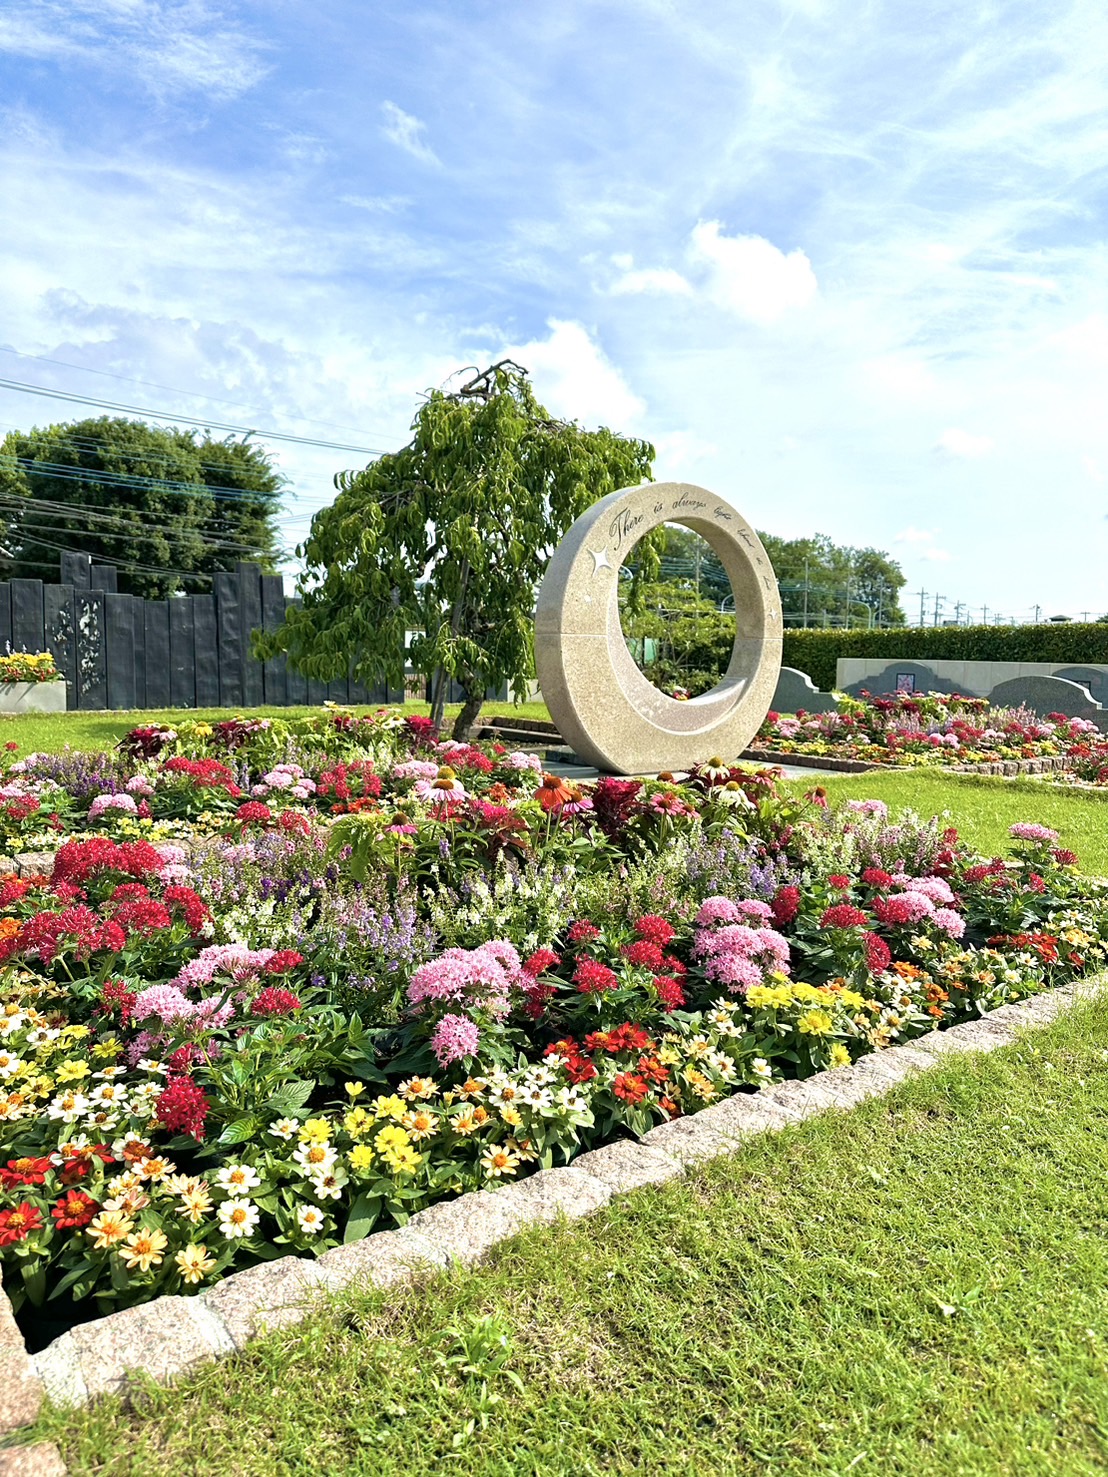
843,915
274,1001
182,1107
878,954
1065,858
877,877
540,961
81,861
839,881
74,1209
592,978
25,1172
670,994
654,929
536,997
142,916
253,813
115,994
17,1224
645,953
190,905
582,932
785,904
283,961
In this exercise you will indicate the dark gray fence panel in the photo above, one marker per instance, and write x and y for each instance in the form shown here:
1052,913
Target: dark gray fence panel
317,692
297,682
59,620
250,596
104,577
229,623
138,627
5,617
27,631
338,692
92,671
207,650
274,672
182,654
119,639
158,692
75,569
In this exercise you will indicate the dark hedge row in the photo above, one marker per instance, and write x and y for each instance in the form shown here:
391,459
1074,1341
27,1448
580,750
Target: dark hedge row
816,652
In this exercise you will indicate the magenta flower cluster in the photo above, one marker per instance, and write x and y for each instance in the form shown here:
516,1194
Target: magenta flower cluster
453,1038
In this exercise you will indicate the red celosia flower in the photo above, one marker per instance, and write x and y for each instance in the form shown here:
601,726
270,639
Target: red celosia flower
17,1224
274,1001
283,961
591,977
582,932
540,961
669,992
876,877
25,1172
644,953
74,1209
786,904
878,955
654,929
839,880
630,1087
843,915
182,1107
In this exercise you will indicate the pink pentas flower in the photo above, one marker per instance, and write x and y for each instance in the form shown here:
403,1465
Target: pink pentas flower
166,1002
933,887
1028,831
950,922
903,908
454,1038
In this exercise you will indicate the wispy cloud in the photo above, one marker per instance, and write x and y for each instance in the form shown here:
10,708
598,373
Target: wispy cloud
956,442
407,133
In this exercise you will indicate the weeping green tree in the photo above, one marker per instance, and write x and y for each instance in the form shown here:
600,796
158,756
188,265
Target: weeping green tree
442,544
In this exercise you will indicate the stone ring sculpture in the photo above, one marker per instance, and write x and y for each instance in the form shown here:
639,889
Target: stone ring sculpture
601,703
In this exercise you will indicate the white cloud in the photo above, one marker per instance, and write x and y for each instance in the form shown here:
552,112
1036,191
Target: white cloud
751,276
961,443
653,279
407,133
573,377
922,545
1093,470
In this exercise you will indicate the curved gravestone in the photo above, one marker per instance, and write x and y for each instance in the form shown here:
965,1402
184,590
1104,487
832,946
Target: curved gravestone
1045,695
894,679
795,692
601,703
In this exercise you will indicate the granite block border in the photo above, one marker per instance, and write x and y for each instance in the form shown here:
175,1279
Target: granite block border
173,1335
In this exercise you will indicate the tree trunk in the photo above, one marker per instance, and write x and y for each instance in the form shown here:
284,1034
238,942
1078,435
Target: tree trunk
438,696
464,723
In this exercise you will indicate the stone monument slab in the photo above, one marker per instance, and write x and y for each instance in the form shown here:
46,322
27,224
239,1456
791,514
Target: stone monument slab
601,703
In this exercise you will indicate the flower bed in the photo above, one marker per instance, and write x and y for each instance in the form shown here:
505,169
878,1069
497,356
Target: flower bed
285,983
936,729
23,666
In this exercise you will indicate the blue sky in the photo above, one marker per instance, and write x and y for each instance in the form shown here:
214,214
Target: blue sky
844,264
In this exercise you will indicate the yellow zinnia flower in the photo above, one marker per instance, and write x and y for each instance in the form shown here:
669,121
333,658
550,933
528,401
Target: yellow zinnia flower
144,1250
194,1263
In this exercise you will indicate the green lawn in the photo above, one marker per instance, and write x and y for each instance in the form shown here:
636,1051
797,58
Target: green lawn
984,806
916,1287
49,732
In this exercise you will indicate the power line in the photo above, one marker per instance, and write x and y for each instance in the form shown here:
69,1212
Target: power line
171,389
23,530
65,472
188,574
92,443
169,415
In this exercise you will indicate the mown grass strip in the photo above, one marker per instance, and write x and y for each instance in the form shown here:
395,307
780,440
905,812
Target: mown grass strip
914,1287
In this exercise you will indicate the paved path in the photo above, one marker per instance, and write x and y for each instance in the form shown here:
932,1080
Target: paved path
579,772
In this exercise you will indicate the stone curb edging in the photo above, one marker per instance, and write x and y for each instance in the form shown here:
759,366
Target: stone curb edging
1009,768
173,1335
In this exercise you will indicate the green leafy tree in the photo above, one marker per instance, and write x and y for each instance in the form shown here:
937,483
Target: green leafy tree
167,507
444,542
843,585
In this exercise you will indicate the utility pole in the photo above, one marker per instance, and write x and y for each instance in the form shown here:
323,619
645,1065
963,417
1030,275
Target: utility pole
1038,611
958,608
984,615
805,592
923,594
940,600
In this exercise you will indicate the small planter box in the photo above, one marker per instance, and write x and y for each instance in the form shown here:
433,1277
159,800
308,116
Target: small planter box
33,697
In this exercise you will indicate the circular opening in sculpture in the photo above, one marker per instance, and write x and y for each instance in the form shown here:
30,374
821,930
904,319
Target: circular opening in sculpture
680,637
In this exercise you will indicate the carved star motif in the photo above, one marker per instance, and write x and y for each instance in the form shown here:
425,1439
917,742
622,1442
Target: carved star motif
600,560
